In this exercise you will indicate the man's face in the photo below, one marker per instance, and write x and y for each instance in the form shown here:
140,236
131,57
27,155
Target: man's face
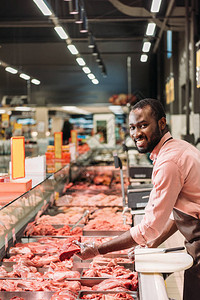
144,129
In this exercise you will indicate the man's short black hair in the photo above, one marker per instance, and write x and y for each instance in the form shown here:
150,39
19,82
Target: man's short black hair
156,107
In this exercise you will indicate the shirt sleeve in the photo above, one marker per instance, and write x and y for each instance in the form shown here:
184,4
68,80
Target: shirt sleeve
167,184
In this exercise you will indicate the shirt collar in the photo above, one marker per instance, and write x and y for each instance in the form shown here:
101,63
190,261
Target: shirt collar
157,148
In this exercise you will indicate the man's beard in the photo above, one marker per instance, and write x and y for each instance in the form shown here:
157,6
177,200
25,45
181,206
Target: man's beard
154,140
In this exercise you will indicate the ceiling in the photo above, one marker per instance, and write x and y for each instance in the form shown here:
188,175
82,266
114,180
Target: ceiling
29,43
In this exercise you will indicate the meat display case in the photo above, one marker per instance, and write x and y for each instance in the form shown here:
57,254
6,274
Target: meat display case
16,214
31,205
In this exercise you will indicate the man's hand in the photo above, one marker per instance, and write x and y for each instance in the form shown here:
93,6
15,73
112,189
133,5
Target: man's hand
88,251
131,253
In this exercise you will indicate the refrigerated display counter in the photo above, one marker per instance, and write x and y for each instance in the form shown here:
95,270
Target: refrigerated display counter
47,201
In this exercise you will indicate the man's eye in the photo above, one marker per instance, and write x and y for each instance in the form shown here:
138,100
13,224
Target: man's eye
143,126
132,127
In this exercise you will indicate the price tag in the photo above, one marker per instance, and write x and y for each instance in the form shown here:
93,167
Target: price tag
6,241
58,144
18,157
56,195
13,235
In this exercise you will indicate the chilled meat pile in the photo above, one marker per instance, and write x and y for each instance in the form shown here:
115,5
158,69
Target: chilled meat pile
48,229
109,270
21,270
106,224
42,246
64,295
37,261
70,216
108,296
79,200
117,284
13,285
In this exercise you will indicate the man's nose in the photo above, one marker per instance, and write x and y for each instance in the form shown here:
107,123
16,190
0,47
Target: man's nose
137,132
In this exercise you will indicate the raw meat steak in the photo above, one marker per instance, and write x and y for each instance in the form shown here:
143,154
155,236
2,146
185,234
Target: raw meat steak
68,251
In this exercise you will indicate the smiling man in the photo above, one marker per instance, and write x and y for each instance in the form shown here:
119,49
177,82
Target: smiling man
176,189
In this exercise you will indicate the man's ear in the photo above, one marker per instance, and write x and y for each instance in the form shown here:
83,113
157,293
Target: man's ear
162,123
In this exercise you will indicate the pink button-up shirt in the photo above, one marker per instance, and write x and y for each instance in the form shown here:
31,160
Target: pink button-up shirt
176,183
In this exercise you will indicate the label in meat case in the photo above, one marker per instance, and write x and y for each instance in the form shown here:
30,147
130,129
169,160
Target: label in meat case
58,144
18,157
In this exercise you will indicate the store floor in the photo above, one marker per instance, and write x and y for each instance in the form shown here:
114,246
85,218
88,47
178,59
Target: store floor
174,283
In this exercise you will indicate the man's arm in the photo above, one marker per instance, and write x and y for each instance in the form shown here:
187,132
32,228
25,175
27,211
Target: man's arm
169,229
121,242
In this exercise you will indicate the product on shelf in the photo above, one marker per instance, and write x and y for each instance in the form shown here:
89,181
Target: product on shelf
68,250
96,270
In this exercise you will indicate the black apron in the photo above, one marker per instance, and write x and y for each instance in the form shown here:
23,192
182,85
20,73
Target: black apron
190,228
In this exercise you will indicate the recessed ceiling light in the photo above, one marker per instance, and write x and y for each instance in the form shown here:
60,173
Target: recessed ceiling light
42,5
35,81
86,70
155,6
24,76
11,70
146,47
80,61
72,49
150,29
95,81
143,58
61,32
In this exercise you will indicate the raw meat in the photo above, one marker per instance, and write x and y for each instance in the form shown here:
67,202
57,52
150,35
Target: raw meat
64,295
48,229
100,296
96,270
68,251
61,275
118,284
39,285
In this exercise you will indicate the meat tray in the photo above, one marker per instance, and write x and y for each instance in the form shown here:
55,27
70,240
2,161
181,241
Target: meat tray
27,295
9,268
131,268
131,293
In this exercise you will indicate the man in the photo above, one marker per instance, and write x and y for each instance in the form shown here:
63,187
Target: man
176,188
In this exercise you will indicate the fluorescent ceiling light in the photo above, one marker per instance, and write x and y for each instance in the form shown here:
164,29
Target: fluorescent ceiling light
91,76
146,47
150,29
24,76
75,109
11,70
35,81
86,70
155,6
23,108
95,81
80,61
60,31
72,49
143,58
116,109
41,4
